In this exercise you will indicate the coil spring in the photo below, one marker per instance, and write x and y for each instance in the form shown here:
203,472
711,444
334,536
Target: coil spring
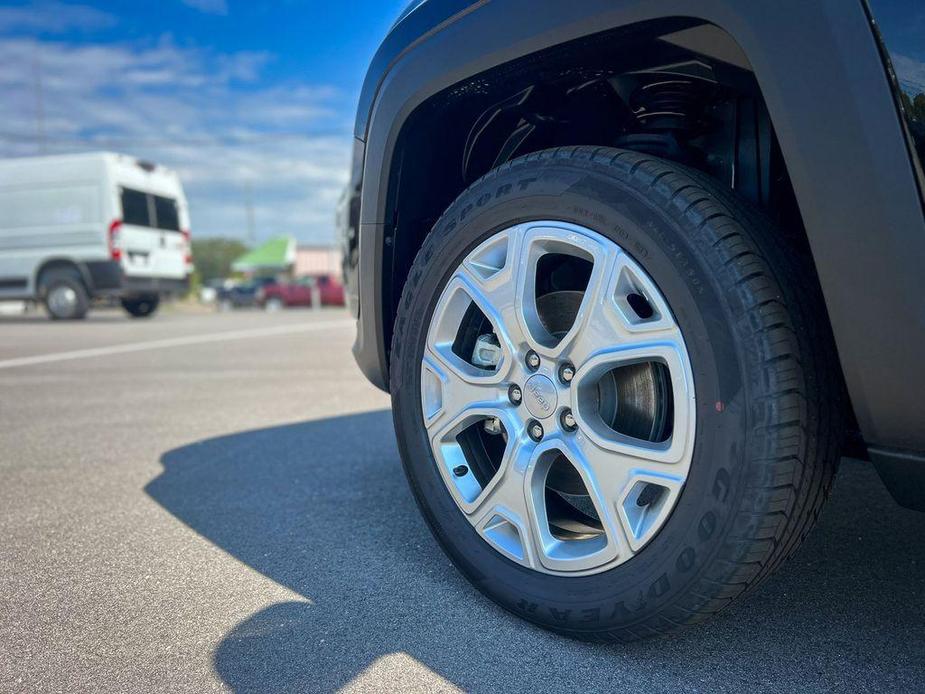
668,103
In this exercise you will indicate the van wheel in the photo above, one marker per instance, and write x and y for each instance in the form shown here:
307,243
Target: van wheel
65,296
274,304
613,391
141,306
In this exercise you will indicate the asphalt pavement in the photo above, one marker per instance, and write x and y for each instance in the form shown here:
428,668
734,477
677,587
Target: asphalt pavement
214,501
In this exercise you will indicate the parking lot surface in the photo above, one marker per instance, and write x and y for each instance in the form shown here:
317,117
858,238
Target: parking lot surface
215,501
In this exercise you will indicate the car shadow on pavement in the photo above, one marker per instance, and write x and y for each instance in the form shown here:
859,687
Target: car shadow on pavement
322,507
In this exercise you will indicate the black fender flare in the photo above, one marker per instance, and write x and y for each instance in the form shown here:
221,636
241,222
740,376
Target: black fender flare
830,99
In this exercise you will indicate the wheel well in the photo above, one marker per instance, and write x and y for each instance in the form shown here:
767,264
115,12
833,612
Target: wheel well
62,264
677,88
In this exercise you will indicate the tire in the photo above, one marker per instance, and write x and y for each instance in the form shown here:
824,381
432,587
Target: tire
143,306
64,294
768,406
274,304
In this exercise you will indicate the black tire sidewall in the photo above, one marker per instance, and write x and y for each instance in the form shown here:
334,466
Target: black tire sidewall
142,306
666,245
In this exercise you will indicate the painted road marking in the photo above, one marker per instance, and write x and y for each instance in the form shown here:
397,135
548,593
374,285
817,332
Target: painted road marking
173,342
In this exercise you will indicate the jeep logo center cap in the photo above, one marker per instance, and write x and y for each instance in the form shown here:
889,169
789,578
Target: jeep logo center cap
540,396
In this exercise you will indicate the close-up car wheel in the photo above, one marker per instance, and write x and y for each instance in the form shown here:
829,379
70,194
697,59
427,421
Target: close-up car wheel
611,407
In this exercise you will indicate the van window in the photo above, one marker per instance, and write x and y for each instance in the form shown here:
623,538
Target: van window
148,210
135,208
165,211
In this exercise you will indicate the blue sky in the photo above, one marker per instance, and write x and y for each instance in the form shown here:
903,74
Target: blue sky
236,95
903,34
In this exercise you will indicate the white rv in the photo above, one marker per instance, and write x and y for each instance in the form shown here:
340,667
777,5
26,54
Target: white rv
82,226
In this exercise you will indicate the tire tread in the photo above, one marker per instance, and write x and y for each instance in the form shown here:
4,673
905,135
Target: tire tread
797,413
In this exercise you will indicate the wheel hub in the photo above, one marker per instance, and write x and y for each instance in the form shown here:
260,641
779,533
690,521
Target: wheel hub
62,299
540,396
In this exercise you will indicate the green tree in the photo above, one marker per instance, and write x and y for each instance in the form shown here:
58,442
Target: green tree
213,257
918,108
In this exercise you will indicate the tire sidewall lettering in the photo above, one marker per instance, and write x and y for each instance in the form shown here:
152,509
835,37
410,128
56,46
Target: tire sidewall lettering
473,219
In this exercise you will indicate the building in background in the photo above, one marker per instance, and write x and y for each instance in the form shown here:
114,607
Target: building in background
317,260
280,256
274,257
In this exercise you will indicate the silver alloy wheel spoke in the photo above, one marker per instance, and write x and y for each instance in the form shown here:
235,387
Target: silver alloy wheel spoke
621,320
556,554
494,274
615,474
678,448
544,238
610,321
502,515
456,396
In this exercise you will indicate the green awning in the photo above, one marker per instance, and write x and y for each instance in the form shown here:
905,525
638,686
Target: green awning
276,254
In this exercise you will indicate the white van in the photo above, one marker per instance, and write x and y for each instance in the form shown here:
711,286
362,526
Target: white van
83,226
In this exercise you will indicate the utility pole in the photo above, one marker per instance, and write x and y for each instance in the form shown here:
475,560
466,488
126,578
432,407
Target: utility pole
39,102
249,211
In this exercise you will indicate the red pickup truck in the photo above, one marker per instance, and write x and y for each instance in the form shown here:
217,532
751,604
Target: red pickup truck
302,292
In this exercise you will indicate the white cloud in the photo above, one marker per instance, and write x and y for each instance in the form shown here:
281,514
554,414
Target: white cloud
213,117
53,18
910,72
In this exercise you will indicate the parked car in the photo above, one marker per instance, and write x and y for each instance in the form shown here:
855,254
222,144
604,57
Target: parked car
80,227
675,275
208,292
304,291
241,294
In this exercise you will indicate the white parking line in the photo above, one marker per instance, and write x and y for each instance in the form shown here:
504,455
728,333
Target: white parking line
173,342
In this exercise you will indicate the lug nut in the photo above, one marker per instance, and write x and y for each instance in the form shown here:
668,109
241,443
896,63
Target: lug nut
515,394
460,471
566,373
535,429
567,419
533,360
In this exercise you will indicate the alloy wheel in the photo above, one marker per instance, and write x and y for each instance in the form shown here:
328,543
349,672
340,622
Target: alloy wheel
558,398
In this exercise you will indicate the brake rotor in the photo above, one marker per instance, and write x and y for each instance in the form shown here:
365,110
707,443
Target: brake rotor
635,400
